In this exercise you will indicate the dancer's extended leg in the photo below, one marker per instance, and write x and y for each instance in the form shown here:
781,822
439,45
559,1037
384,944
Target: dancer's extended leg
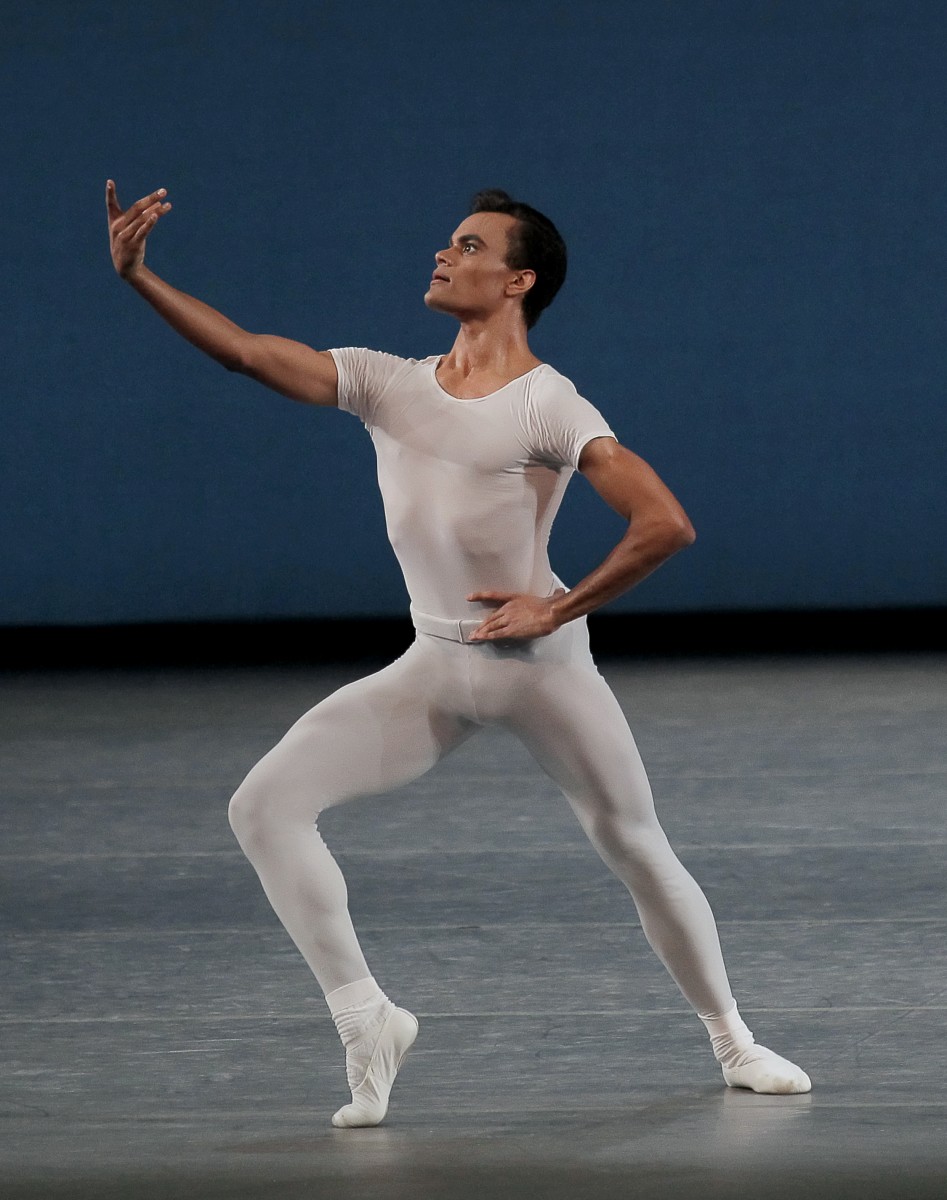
575,728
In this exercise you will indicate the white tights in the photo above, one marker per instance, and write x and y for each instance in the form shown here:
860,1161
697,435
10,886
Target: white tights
388,729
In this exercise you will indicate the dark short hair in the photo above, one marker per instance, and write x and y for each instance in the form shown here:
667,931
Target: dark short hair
533,244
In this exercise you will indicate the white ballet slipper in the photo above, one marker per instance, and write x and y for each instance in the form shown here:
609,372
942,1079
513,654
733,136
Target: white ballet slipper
370,1097
767,1073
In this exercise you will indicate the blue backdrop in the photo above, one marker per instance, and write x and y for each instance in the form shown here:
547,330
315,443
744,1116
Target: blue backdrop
753,194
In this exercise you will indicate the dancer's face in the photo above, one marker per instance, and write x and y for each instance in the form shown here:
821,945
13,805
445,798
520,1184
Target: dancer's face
471,278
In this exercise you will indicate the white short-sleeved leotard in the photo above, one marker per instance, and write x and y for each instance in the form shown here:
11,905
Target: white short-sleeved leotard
470,487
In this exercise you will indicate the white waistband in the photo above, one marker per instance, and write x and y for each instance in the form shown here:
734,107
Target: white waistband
456,631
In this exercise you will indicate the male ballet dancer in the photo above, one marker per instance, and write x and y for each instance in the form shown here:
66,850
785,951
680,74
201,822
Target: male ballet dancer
475,449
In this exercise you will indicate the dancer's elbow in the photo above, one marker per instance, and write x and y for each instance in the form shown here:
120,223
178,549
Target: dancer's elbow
678,532
686,532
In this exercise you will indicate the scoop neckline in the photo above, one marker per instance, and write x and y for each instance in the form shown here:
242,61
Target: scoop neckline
436,362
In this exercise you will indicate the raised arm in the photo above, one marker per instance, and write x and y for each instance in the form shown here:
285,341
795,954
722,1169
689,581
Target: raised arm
288,367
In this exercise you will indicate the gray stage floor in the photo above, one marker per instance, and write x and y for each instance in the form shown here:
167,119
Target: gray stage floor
160,1036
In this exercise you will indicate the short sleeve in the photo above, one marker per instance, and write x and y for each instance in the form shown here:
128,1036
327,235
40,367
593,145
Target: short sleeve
364,376
559,423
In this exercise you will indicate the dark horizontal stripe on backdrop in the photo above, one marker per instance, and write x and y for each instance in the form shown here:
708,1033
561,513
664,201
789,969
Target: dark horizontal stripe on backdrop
301,641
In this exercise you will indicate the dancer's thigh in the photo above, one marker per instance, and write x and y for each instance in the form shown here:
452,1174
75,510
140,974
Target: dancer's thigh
572,724
370,736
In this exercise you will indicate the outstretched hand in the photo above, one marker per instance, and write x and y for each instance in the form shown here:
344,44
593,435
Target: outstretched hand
518,615
129,228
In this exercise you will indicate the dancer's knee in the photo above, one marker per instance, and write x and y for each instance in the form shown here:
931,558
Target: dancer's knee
274,802
243,812
630,847
251,812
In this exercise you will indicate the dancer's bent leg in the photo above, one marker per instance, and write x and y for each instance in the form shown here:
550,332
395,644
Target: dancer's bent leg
369,737
574,727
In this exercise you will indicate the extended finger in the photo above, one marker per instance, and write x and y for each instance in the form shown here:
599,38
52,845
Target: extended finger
140,206
111,200
131,232
493,597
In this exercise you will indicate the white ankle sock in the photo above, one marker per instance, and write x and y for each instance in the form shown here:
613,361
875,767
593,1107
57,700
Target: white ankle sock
747,1065
376,1036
